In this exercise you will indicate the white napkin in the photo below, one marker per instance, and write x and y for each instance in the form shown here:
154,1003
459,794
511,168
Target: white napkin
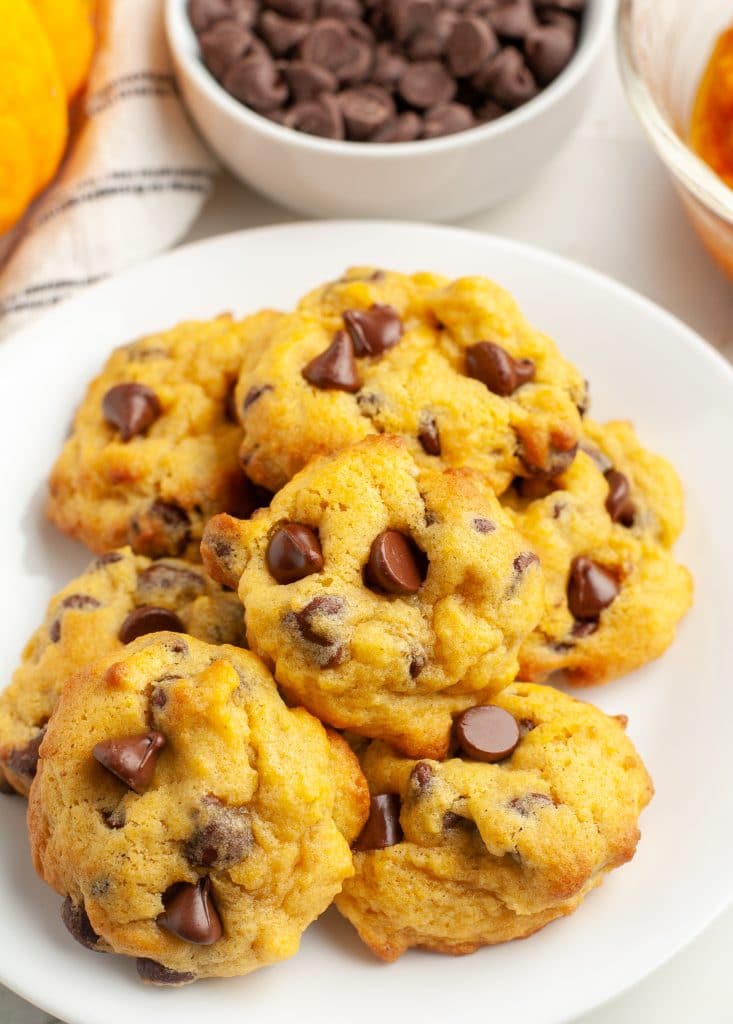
135,178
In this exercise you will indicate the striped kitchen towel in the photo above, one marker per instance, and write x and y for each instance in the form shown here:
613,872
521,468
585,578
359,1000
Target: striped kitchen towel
134,179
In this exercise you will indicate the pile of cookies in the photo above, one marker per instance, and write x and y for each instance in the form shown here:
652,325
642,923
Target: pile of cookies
340,551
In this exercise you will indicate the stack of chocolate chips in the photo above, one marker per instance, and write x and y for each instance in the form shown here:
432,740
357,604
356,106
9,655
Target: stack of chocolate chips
385,70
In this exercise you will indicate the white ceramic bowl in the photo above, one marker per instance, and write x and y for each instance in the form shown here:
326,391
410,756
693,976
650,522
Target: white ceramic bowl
433,179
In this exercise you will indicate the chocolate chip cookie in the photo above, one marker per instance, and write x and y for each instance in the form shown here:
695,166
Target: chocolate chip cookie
385,597
120,597
186,815
153,451
452,367
603,530
540,800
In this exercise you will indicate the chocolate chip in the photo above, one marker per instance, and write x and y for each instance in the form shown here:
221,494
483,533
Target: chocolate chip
365,109
487,733
156,974
185,583
130,408
109,558
222,837
159,530
417,664
223,44
422,775
202,13
523,561
79,602
447,119
383,826
294,551
494,367
190,913
335,368
548,50
78,924
429,436
149,619
512,19
389,65
254,394
326,44
426,83
431,42
323,605
116,818
619,505
453,822
528,804
304,10
489,111
132,759
374,330
308,81
394,564
408,17
471,43
345,9
591,588
23,761
404,128
525,725
255,80
321,117
282,34
533,488
481,525
507,79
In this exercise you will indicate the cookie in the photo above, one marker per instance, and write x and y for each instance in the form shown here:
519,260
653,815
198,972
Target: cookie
539,802
385,597
120,597
452,367
153,450
192,821
603,530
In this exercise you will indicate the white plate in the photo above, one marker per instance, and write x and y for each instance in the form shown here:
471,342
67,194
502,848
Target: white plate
643,365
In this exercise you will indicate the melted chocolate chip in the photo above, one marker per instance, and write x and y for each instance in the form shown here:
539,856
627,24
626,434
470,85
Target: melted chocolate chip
525,725
130,408
494,367
374,330
591,588
116,818
222,837
294,552
162,529
79,602
324,605
528,804
132,759
23,761
429,436
523,561
334,369
161,576
156,974
482,525
78,924
383,826
109,558
487,733
619,505
190,913
422,775
417,664
394,564
584,628
256,392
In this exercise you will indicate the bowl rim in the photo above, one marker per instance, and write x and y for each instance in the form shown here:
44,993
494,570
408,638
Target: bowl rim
182,42
691,170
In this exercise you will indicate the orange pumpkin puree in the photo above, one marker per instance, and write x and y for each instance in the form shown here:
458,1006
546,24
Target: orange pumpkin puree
711,130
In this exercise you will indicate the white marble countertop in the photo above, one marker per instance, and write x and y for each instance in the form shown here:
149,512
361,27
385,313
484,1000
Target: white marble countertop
606,202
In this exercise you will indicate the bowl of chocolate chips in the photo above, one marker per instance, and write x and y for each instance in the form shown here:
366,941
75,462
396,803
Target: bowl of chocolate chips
427,109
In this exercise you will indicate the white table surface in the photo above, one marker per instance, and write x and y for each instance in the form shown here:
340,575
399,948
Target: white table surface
606,202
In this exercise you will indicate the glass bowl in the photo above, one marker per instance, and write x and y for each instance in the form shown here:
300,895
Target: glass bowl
663,49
